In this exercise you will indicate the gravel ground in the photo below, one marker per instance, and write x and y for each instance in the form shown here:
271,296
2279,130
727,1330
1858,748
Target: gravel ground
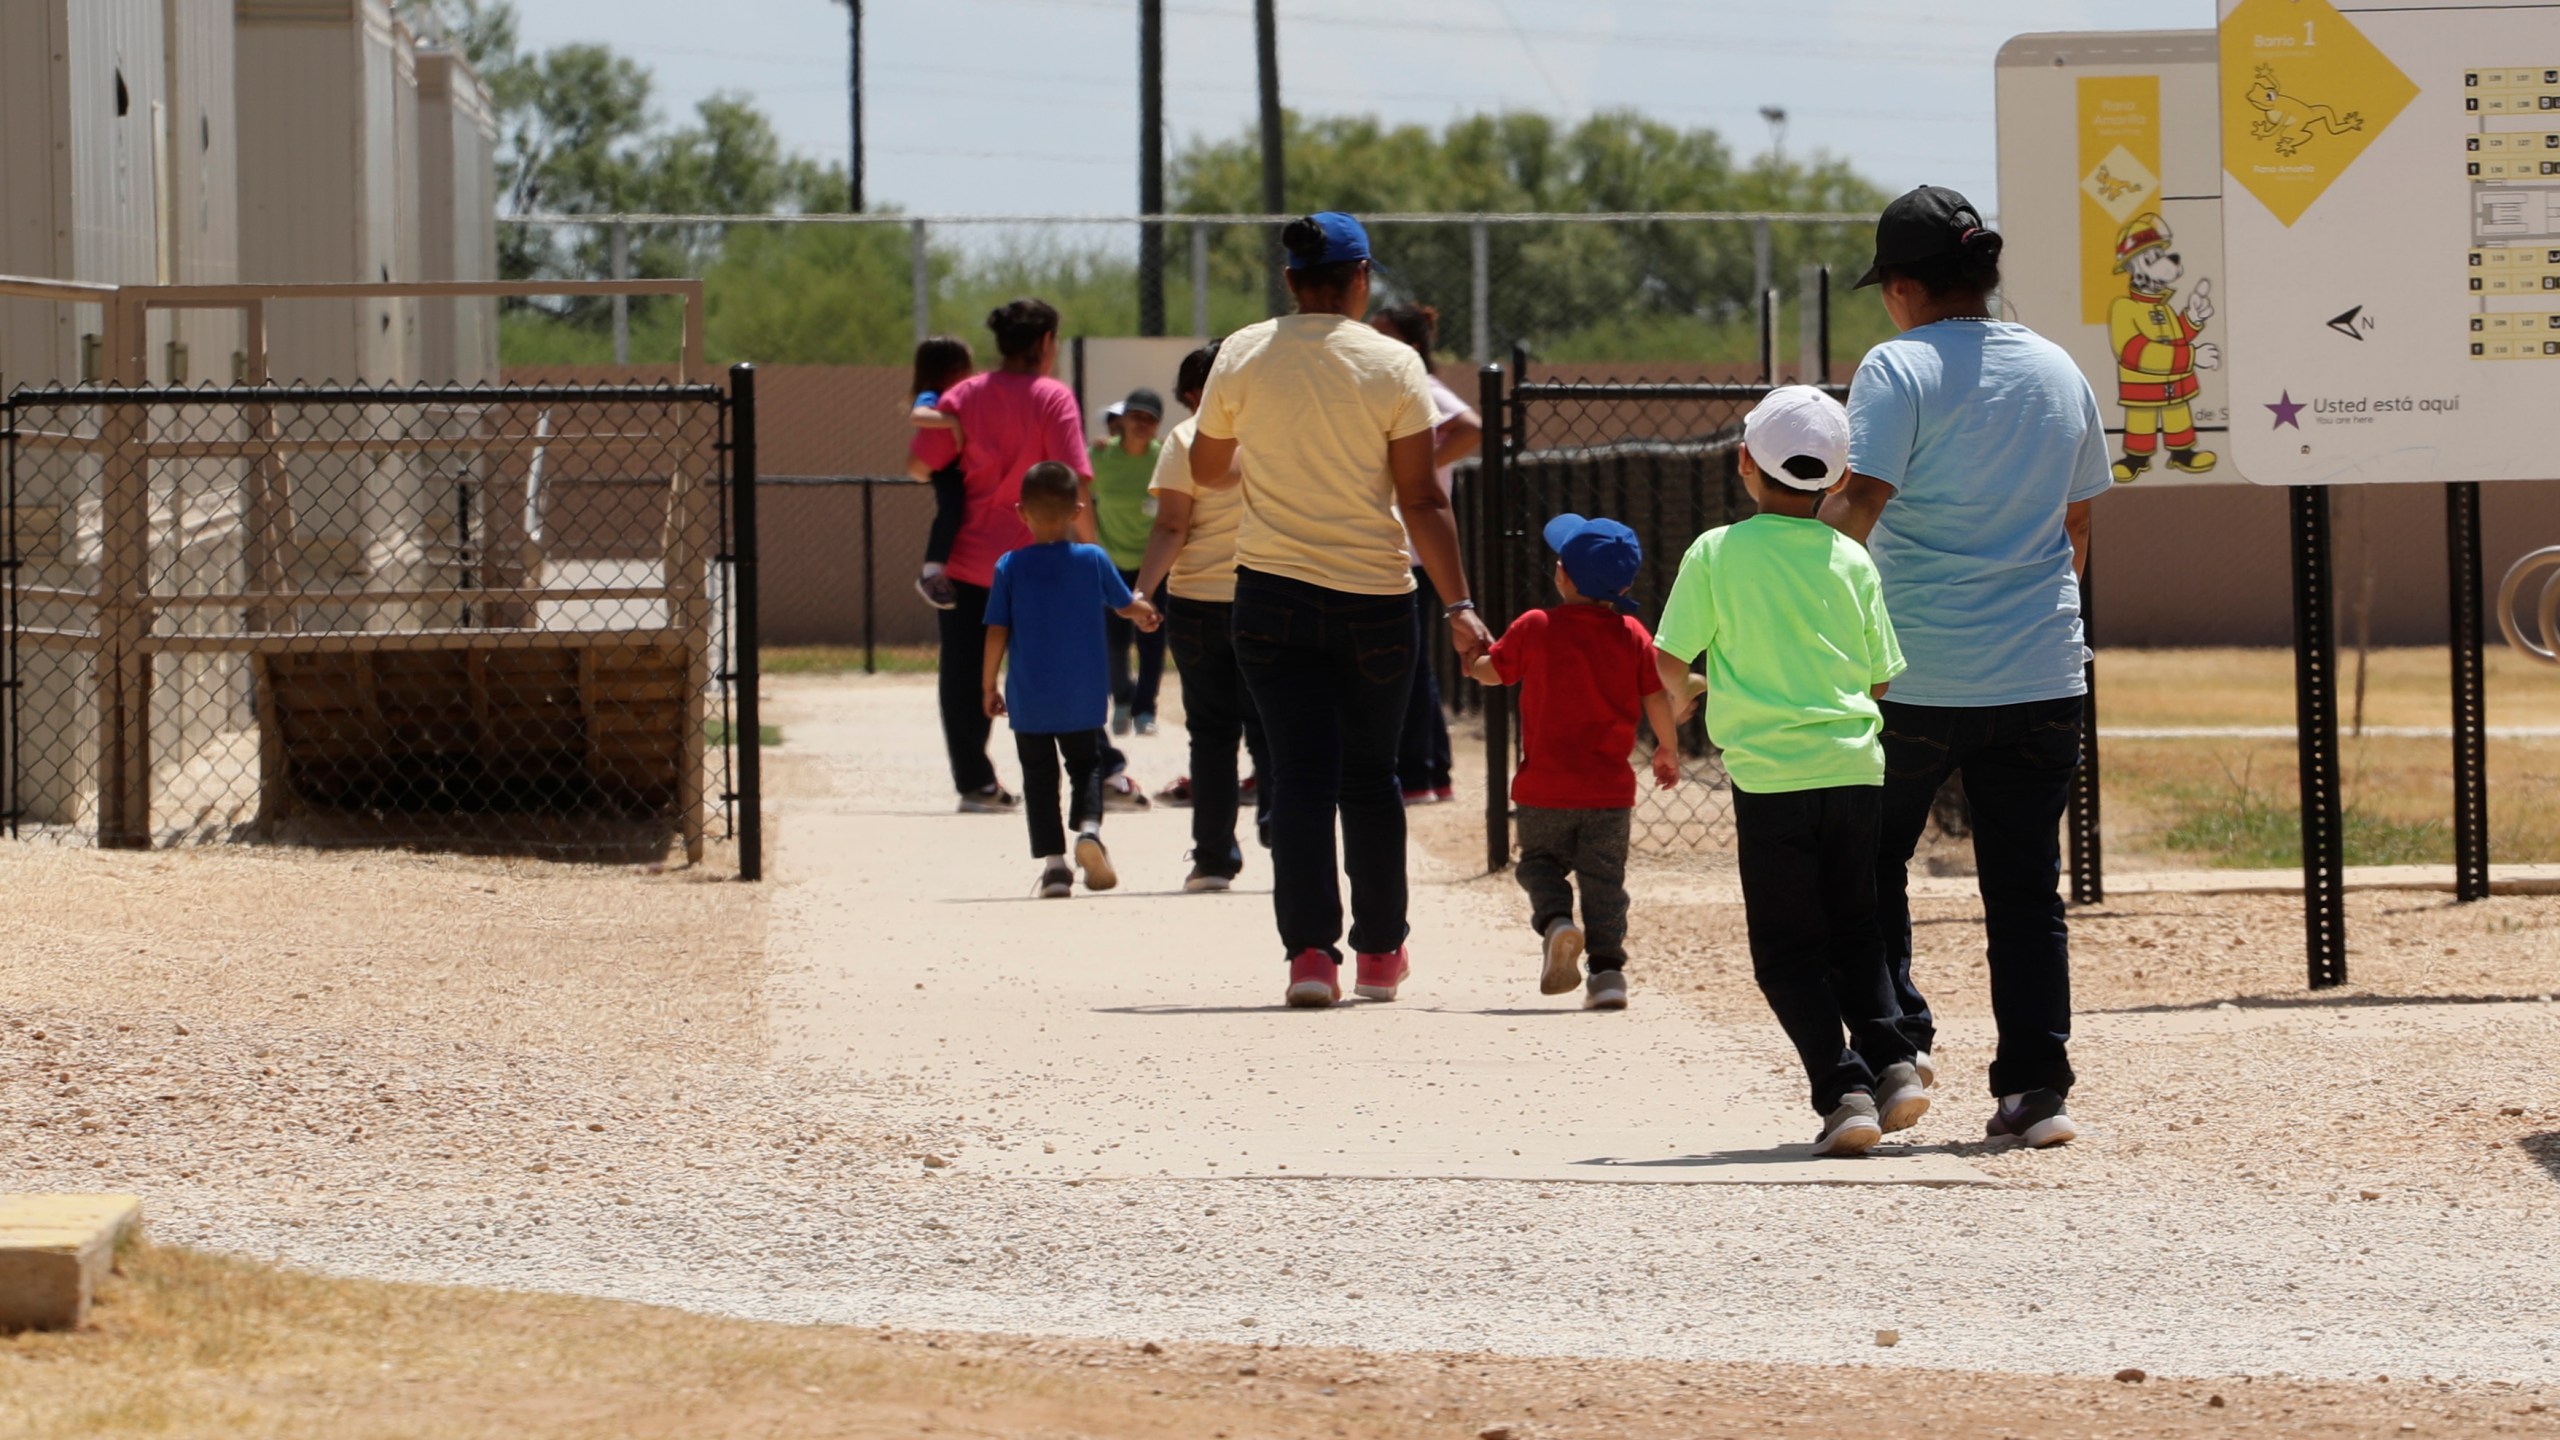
406,1082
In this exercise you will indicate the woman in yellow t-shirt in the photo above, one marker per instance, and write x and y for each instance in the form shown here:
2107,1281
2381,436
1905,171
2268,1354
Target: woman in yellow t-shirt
1337,419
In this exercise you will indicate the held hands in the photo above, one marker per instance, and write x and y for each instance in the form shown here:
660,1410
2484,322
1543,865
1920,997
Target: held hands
993,702
1666,767
1142,613
1468,633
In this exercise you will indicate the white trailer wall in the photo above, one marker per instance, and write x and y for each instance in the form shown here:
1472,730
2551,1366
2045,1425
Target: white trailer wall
321,182
457,174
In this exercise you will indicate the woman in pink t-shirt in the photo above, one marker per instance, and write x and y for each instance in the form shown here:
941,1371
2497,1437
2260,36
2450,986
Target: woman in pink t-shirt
1012,418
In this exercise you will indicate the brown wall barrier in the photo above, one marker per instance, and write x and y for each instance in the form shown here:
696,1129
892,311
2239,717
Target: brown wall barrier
2182,566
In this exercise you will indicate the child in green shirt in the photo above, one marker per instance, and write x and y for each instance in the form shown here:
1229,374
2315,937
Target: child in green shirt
1789,615
1123,514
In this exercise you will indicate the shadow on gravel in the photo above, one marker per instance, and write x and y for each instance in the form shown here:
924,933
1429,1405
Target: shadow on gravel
1800,1154
2316,1002
2544,1147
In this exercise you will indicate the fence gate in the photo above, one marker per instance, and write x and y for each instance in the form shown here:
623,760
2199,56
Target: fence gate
1660,459
518,619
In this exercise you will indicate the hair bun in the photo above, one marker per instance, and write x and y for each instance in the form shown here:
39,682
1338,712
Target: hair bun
1978,241
1303,236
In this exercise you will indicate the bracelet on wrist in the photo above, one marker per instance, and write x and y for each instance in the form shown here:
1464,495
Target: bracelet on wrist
1452,612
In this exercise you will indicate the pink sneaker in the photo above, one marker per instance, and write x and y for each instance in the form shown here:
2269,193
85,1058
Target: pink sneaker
1315,980
1381,974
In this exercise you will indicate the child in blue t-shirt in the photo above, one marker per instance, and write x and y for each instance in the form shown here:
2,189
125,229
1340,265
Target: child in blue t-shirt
1047,607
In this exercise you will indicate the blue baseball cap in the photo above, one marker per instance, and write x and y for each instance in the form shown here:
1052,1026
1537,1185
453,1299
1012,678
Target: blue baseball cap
1344,239
1602,557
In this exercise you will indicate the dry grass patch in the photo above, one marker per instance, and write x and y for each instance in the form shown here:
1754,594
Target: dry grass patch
2408,686
195,1345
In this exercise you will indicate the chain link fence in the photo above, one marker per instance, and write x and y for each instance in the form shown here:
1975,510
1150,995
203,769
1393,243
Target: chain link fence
493,618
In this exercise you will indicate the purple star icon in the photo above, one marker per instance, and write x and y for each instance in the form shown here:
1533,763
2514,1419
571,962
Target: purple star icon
2287,411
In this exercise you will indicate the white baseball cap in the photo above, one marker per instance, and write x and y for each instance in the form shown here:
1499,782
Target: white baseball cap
1795,424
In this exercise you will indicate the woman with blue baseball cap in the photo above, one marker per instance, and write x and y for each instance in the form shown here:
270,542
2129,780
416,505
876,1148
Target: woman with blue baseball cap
1335,424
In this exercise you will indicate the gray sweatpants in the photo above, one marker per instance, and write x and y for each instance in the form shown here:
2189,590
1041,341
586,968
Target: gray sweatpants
1559,846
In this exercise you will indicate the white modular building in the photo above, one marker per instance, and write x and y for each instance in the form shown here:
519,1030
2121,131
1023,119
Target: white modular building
458,206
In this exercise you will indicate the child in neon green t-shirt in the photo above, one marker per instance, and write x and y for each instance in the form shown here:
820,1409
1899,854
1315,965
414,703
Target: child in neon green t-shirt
1789,616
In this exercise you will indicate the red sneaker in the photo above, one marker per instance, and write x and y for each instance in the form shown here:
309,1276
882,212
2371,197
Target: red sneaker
1315,980
1381,974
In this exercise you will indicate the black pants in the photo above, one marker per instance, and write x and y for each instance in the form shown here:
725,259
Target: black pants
1139,694
964,658
1330,672
950,507
1422,754
1559,847
1809,897
2017,762
1218,713
1082,750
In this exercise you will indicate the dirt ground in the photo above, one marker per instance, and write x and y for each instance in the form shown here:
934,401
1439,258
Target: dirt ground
311,1032
195,1345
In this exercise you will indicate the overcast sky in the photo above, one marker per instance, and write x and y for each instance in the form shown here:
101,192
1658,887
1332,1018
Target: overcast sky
1024,106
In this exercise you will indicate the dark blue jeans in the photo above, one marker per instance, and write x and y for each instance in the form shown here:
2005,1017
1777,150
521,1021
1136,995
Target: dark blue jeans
1330,672
1139,692
2017,762
1218,713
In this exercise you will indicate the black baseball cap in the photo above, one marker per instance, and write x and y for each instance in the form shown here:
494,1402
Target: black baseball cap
1923,225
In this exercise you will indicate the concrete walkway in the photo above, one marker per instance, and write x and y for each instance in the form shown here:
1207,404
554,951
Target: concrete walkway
1139,1034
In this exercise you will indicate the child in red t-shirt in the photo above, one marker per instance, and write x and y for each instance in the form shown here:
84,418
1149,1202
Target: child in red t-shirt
1585,669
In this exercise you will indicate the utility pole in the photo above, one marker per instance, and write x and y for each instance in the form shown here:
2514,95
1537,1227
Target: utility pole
1150,166
853,99
1275,189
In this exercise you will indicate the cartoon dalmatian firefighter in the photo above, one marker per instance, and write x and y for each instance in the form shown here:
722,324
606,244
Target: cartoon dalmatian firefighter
2157,354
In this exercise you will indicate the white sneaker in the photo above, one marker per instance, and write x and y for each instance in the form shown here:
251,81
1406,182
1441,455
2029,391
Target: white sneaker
1563,968
1095,862
1851,1128
1926,1068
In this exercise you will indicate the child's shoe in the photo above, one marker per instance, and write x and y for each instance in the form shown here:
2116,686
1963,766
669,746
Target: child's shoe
1564,957
1177,794
1901,1097
1605,990
1145,721
938,592
1381,974
1850,1128
1095,862
1119,792
1315,980
1057,882
1119,717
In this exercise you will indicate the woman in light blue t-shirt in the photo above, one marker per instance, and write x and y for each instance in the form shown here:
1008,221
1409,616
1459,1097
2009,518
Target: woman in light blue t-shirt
1976,447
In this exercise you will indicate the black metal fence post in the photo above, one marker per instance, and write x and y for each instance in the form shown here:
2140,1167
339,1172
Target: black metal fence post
870,588
2470,693
2315,689
743,661
1493,603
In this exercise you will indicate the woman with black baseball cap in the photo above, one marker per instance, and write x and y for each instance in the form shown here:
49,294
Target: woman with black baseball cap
1976,447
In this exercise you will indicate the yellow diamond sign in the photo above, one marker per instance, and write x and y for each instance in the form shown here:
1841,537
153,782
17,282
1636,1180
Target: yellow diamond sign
2121,184
2303,93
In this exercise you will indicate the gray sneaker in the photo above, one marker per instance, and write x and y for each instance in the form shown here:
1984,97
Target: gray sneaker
1850,1128
1563,957
1605,990
1927,1067
1120,717
1901,1097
